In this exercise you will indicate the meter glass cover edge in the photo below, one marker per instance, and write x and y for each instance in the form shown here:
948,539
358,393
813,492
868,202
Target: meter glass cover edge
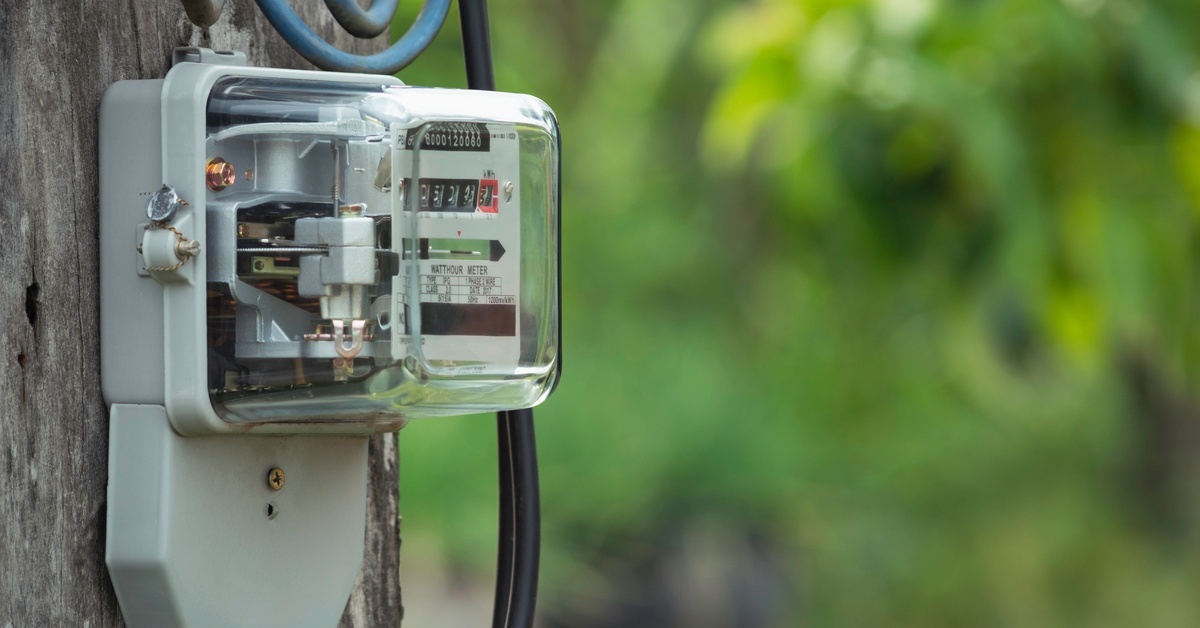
381,252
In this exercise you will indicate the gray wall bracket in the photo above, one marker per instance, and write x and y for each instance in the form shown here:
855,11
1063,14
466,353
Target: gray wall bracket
199,536
195,54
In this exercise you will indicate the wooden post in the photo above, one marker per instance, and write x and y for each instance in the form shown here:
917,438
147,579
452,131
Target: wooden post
56,59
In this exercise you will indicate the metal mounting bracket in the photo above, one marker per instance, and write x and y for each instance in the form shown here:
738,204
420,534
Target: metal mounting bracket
231,531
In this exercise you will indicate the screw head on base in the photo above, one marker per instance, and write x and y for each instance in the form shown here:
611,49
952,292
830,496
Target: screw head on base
275,478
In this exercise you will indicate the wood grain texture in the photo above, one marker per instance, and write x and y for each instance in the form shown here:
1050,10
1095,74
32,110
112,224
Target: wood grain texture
375,600
56,59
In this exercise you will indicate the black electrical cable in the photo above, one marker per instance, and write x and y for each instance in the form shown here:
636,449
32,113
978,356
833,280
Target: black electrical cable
520,522
506,547
519,545
477,44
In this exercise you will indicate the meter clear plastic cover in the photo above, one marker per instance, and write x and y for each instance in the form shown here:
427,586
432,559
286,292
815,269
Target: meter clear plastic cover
375,252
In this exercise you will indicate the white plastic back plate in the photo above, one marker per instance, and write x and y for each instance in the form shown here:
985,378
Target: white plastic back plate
196,536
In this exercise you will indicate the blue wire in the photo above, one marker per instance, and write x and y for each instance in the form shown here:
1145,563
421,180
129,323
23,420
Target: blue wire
325,56
363,24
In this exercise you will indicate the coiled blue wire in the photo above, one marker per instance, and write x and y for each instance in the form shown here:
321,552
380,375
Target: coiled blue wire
325,56
363,24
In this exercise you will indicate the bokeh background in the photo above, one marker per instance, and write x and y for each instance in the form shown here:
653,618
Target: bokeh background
877,313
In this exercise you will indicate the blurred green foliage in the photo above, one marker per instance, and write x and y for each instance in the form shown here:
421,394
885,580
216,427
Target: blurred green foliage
906,286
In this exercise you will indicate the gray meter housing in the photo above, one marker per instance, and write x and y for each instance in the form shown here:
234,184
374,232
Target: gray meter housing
290,261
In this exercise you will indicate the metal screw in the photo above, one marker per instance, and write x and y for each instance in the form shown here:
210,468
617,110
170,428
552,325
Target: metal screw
275,478
260,265
185,249
163,204
249,175
219,174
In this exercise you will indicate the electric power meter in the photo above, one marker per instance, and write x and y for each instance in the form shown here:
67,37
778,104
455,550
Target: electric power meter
298,252
290,261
